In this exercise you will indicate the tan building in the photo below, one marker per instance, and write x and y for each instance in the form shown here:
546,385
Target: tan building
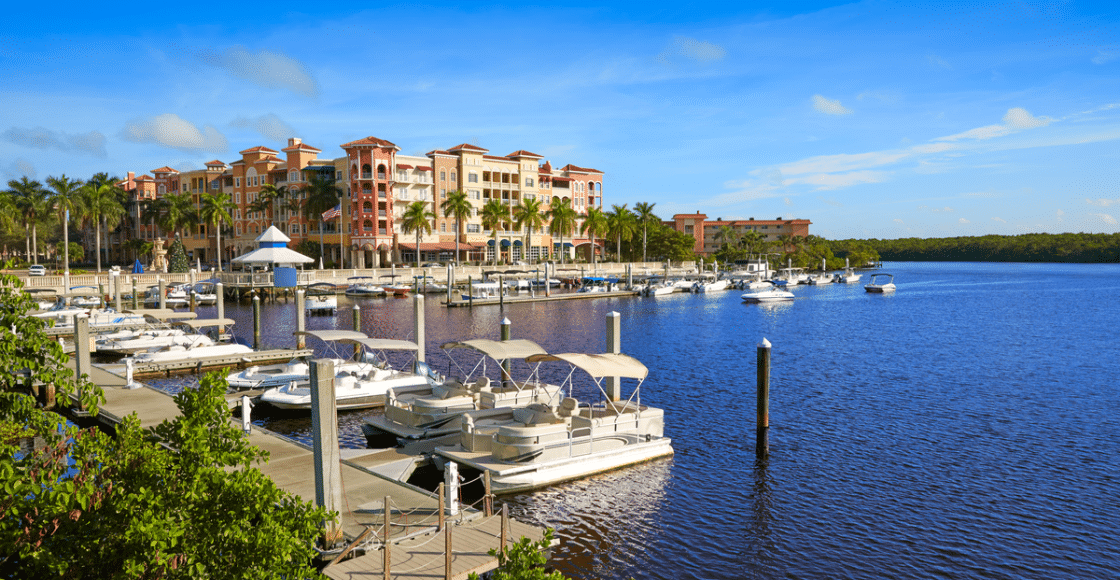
706,232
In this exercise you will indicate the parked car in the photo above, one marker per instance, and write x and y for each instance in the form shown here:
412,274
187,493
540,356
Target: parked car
37,270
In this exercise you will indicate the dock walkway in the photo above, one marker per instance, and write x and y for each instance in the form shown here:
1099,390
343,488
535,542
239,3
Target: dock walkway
540,297
290,466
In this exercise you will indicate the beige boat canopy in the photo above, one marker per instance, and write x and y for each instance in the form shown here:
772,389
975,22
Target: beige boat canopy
500,350
332,335
204,322
163,315
383,343
599,365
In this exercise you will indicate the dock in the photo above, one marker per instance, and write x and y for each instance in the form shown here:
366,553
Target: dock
199,365
539,298
418,548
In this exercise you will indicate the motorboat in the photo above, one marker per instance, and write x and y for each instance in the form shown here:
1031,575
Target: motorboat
200,347
849,276
663,288
429,284
776,294
321,299
45,298
84,297
394,288
709,283
436,409
754,281
358,389
363,286
275,375
880,283
824,277
545,443
482,291
598,284
174,296
791,277
204,293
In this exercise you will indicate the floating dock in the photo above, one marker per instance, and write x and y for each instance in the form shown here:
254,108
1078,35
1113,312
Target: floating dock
199,365
456,302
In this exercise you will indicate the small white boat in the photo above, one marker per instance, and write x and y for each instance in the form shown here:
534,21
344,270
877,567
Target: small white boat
560,440
710,284
776,294
84,297
482,291
791,277
598,284
197,346
275,375
429,284
394,288
174,296
320,299
880,284
849,276
204,293
363,286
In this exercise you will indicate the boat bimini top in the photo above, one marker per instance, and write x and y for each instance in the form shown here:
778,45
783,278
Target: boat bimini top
500,351
599,367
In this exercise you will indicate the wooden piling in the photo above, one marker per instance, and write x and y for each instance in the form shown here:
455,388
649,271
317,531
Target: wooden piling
488,502
470,290
507,334
81,352
194,303
442,506
220,294
447,553
135,297
357,318
256,322
386,558
162,293
418,318
762,439
324,435
301,319
117,291
613,385
505,529
501,292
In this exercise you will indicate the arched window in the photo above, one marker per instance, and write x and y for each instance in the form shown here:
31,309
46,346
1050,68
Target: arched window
293,176
367,171
367,226
162,189
443,227
367,207
367,189
381,171
293,228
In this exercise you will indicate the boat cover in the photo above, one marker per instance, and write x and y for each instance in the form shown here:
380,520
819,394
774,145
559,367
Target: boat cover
500,350
383,343
208,322
163,315
599,365
332,335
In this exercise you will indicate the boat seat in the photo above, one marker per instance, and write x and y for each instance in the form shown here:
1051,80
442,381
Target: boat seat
568,407
536,414
481,384
446,392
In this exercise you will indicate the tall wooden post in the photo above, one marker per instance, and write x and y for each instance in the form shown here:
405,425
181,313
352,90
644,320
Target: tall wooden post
506,335
447,553
762,440
324,435
81,351
301,319
470,290
256,322
450,280
418,315
505,529
162,293
194,303
386,549
501,292
613,385
442,507
547,286
488,502
357,310
221,296
135,296
117,291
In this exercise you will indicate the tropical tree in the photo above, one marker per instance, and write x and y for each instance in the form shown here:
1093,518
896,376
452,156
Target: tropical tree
153,211
494,214
321,194
643,213
594,223
417,218
179,213
31,205
458,206
562,220
215,209
621,225
101,205
266,201
528,215
65,197
139,247
751,241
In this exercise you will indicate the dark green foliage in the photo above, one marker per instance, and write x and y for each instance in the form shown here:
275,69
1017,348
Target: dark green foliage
1081,248
524,560
310,249
178,263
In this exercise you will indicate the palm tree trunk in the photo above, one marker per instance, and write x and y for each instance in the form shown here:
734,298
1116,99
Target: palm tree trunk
66,241
458,234
35,241
417,249
27,239
218,232
97,241
643,244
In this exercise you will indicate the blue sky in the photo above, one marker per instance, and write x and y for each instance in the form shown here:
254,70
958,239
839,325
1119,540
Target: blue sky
871,119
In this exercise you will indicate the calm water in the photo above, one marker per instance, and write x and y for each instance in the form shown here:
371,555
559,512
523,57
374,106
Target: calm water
965,427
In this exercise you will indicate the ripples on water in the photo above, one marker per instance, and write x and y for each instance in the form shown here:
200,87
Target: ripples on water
965,427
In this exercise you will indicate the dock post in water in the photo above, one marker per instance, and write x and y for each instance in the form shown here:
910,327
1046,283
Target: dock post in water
357,318
221,295
81,350
547,286
256,322
501,292
246,412
194,303
762,438
450,280
470,290
117,291
301,319
418,312
135,298
488,499
324,436
614,346
162,293
506,335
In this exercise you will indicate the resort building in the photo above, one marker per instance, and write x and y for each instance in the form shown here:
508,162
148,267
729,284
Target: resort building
376,184
706,232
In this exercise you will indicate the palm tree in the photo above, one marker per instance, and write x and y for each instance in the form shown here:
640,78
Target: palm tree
620,223
594,223
266,201
64,196
417,218
322,195
31,205
494,214
529,215
458,206
179,213
562,220
101,205
644,213
215,210
751,240
139,247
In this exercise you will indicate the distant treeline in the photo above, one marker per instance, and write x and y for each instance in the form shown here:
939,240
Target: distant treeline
1085,248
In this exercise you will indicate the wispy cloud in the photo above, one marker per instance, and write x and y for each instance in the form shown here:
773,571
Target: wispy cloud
1016,119
935,209
272,70
964,221
831,202
691,49
1105,218
897,221
824,181
999,219
270,126
19,168
1106,54
829,106
172,131
1102,202
938,62
92,143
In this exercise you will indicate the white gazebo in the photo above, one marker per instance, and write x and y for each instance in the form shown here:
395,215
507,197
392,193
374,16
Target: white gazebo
273,249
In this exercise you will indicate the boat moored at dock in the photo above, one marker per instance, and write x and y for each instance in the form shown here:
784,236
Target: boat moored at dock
880,283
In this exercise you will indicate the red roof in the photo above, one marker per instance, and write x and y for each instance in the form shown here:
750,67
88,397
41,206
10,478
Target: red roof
302,146
559,178
374,141
164,169
257,149
569,167
523,153
498,158
214,162
143,178
403,166
438,152
422,168
468,147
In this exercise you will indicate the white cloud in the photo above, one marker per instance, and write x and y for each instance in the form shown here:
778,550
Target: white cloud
964,221
692,49
945,209
92,143
831,202
172,131
19,168
1020,118
1060,213
897,221
1102,202
999,219
787,201
270,126
272,70
1016,119
829,106
938,62
825,181
842,162
1106,55
1105,218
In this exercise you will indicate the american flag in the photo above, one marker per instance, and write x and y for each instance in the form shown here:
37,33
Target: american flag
330,214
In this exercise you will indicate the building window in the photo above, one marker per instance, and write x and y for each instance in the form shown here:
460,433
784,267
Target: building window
237,197
443,227
237,182
472,178
367,226
473,228
442,175
367,207
528,182
293,229
452,176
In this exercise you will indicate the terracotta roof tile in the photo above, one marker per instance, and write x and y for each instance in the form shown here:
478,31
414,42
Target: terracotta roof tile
438,152
165,169
257,149
569,167
214,162
524,153
302,146
468,147
370,141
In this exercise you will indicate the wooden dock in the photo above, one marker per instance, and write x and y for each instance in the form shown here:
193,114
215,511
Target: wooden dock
198,365
417,546
539,298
